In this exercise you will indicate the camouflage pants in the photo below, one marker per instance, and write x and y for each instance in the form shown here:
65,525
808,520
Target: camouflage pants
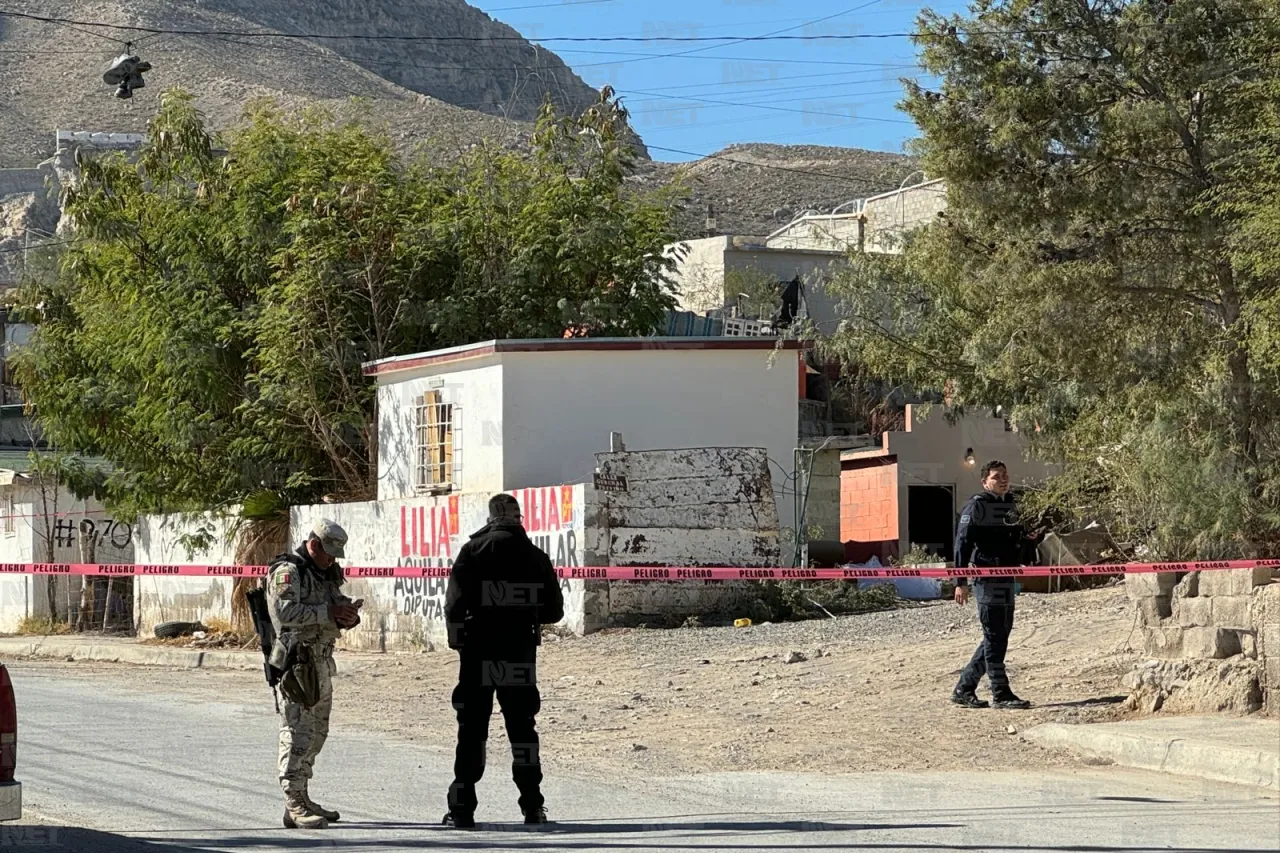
303,731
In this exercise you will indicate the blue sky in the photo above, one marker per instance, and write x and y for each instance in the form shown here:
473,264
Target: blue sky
810,92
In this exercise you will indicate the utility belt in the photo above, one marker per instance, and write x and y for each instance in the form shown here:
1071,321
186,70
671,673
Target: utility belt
299,677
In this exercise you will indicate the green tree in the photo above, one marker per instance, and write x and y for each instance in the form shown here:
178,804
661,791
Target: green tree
1084,275
207,327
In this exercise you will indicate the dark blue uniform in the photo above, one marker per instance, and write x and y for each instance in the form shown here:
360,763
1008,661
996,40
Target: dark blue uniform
502,589
990,535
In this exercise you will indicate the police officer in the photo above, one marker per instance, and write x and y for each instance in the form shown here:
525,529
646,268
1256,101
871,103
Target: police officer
990,535
309,612
502,589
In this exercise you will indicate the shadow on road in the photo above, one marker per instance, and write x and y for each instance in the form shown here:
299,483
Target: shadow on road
712,836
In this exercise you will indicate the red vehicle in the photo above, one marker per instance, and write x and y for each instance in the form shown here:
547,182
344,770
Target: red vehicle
10,788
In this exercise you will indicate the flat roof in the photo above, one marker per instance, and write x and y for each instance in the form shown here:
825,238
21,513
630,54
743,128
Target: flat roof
469,351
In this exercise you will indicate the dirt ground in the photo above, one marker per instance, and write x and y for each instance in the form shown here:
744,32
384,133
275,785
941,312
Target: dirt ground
872,693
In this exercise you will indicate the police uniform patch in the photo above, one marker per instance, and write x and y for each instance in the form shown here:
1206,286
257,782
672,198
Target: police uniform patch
964,519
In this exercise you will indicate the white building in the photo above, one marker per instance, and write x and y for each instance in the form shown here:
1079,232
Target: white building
517,414
812,248
42,522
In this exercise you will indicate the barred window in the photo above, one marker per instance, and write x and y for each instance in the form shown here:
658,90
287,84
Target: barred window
10,528
436,445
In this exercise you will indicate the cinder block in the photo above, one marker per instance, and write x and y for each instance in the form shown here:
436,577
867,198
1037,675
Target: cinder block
1165,642
1193,612
1210,643
1152,611
1233,581
1150,584
1229,611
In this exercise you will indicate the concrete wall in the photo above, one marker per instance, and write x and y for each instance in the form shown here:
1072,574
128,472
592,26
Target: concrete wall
475,390
699,273
403,613
891,215
841,232
187,599
699,507
44,516
20,595
822,515
559,408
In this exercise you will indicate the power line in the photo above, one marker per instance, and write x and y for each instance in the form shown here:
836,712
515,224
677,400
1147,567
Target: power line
775,109
731,40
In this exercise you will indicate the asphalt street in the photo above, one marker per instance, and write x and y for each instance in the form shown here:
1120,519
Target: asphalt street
111,772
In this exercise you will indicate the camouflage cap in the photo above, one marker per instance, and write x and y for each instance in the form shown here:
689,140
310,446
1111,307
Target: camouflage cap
333,539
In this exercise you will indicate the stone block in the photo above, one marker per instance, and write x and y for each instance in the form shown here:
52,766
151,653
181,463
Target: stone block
1188,587
1164,643
1193,612
1230,611
1265,609
1269,651
1209,643
1150,584
1233,581
1153,611
1248,644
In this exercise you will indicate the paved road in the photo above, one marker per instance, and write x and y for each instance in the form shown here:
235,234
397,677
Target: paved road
113,772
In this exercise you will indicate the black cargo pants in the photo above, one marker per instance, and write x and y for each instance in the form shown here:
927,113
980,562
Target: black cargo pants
511,675
995,612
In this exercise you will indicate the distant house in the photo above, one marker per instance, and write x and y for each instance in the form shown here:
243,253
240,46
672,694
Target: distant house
910,490
810,250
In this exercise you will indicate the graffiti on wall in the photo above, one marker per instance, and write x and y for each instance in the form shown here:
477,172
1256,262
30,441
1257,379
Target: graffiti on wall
420,597
103,531
549,519
432,534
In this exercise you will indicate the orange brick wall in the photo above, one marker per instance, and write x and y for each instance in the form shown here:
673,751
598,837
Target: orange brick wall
869,501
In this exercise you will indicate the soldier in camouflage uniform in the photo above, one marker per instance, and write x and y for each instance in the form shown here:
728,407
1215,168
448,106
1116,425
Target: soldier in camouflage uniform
308,608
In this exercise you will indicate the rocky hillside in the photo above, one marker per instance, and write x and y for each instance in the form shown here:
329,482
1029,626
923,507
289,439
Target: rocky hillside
445,94
452,92
756,189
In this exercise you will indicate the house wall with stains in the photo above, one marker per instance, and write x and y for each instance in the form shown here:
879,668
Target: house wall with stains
698,507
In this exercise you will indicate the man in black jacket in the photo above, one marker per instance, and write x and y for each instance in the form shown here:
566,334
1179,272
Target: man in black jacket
990,535
502,590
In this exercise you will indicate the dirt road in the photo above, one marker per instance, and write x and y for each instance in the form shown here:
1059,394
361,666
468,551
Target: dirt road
871,693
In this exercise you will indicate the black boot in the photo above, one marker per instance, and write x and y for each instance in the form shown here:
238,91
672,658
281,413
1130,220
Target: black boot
460,820
1010,702
967,698
538,815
